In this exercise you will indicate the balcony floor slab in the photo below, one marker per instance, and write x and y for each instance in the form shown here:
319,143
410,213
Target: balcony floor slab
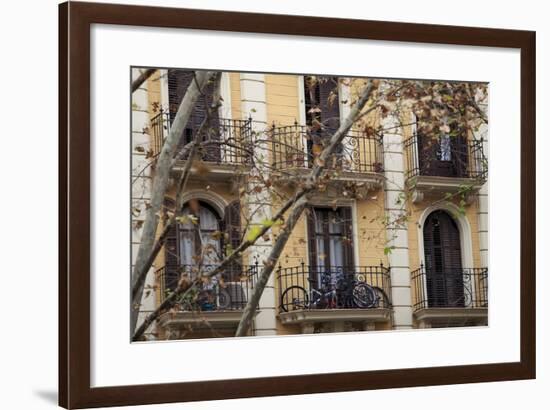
431,317
335,315
200,320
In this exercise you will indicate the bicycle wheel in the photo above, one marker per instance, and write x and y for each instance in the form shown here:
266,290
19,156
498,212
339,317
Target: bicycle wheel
224,300
294,298
364,296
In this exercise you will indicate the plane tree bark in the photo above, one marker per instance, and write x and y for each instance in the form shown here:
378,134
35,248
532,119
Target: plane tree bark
298,208
142,78
159,187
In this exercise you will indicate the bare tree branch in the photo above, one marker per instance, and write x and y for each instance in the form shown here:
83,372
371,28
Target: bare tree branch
475,105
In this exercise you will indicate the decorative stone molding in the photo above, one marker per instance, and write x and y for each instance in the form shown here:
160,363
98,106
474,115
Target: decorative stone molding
463,227
423,184
210,197
417,196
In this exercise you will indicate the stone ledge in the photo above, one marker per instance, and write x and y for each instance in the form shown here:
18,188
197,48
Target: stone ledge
335,315
424,184
215,171
200,320
452,315
372,180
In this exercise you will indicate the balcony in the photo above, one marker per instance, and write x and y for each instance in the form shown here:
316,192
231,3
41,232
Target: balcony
358,158
225,147
447,164
450,297
316,295
216,304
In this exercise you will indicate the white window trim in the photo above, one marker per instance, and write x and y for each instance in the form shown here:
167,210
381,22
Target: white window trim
225,92
213,199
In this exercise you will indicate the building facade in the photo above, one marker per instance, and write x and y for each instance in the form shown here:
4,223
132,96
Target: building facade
396,238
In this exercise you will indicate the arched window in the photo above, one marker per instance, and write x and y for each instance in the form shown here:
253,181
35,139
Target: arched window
202,236
443,261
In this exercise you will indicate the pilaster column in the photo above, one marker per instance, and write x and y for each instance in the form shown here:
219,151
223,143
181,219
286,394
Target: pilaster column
483,207
253,105
397,233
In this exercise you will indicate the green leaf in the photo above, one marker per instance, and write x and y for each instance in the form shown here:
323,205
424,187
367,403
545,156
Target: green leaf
253,233
388,249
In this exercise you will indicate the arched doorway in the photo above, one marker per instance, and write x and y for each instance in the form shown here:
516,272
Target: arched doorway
443,261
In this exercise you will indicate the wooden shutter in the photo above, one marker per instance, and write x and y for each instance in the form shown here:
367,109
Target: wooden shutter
311,101
428,161
232,227
459,147
329,102
178,83
347,224
322,94
171,259
445,285
311,239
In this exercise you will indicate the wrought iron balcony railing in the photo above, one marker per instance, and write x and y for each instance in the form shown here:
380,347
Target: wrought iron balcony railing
225,291
445,156
451,288
337,287
226,142
296,146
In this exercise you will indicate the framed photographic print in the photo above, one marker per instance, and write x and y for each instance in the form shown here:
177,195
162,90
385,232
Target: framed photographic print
255,205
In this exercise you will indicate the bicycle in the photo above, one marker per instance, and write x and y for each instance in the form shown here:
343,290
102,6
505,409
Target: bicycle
343,294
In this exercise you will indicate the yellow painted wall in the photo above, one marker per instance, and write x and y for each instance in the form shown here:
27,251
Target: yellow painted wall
235,86
282,99
154,104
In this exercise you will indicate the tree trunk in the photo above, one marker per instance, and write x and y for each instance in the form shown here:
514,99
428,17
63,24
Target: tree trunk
296,212
142,78
160,186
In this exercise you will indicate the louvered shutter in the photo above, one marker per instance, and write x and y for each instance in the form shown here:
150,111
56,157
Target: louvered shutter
171,259
452,261
178,83
347,229
459,146
312,245
211,152
428,160
435,273
323,95
311,103
329,102
443,261
232,227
